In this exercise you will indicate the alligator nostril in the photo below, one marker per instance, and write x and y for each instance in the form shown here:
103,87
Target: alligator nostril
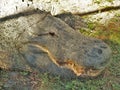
99,51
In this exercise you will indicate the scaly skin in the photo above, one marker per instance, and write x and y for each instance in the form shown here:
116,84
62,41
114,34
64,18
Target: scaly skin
46,43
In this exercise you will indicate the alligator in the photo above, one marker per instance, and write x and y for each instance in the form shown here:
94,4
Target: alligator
50,44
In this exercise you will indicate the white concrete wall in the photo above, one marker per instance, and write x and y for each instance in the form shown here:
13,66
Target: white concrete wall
8,7
74,6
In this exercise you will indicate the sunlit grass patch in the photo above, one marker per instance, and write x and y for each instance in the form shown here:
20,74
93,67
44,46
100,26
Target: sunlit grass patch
108,31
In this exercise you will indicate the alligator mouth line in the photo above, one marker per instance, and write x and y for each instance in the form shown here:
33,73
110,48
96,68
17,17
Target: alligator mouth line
78,70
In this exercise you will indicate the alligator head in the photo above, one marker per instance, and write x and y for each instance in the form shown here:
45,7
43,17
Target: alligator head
48,44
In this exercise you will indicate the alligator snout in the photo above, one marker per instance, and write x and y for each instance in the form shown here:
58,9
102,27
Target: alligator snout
97,55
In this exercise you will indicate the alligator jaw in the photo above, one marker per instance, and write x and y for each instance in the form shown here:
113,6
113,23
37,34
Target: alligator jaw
80,71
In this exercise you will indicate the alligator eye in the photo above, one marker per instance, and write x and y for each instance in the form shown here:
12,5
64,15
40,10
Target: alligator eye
52,33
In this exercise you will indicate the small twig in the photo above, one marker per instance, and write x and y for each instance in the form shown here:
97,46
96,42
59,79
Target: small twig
106,9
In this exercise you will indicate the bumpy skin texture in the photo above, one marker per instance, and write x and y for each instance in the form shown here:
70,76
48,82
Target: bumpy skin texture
48,44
